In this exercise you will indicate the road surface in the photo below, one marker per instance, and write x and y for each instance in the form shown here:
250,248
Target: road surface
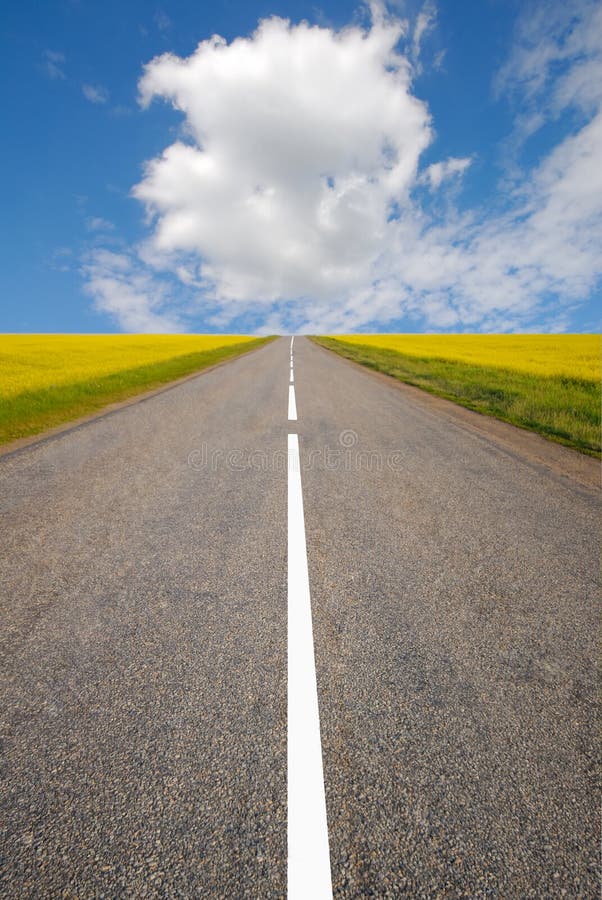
454,590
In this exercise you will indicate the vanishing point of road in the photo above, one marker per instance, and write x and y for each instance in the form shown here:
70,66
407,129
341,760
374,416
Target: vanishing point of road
150,560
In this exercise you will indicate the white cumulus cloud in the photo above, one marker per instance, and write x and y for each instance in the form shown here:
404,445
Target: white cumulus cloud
301,139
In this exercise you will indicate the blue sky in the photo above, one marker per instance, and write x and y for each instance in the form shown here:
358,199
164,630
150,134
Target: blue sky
419,166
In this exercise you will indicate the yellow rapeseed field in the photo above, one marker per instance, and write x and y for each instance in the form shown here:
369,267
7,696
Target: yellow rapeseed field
49,379
30,362
569,355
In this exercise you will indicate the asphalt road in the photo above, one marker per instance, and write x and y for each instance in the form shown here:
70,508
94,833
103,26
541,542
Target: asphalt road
455,597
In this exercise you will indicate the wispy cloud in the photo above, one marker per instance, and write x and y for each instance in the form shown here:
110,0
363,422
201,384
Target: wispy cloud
162,21
439,60
61,259
52,65
96,223
436,173
122,287
95,93
121,111
555,65
557,50
425,22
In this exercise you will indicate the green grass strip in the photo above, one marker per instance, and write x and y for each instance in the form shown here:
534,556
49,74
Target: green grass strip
566,410
35,411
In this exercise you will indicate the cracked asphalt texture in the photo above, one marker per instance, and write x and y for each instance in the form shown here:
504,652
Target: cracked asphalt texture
455,595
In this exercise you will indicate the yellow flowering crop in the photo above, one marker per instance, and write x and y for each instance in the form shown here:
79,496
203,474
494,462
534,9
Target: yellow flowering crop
571,355
30,362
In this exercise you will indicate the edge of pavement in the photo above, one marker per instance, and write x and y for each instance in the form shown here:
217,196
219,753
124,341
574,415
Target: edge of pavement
11,448
519,442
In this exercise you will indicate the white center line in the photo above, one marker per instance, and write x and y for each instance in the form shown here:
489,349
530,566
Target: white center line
292,406
309,875
292,340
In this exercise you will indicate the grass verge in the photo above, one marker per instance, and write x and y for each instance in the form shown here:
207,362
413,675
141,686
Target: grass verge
562,408
33,411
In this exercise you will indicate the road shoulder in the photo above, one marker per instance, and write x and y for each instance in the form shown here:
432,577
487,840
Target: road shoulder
12,447
528,445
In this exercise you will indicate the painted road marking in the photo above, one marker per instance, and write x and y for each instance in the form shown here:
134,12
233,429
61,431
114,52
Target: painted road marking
292,377
292,340
308,852
292,406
